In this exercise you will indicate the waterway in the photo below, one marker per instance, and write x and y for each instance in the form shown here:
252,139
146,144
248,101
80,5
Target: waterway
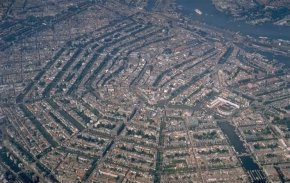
150,5
254,171
211,16
234,139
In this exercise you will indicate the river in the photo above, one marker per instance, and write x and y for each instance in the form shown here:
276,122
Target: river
211,16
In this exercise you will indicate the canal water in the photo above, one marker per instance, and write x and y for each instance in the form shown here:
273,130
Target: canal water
234,139
254,171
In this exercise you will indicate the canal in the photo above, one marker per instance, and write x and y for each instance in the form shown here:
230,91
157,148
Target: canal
255,173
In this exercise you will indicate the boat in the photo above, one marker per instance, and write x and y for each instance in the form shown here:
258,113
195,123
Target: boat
197,11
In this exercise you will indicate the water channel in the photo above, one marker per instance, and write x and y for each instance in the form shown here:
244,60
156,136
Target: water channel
254,171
